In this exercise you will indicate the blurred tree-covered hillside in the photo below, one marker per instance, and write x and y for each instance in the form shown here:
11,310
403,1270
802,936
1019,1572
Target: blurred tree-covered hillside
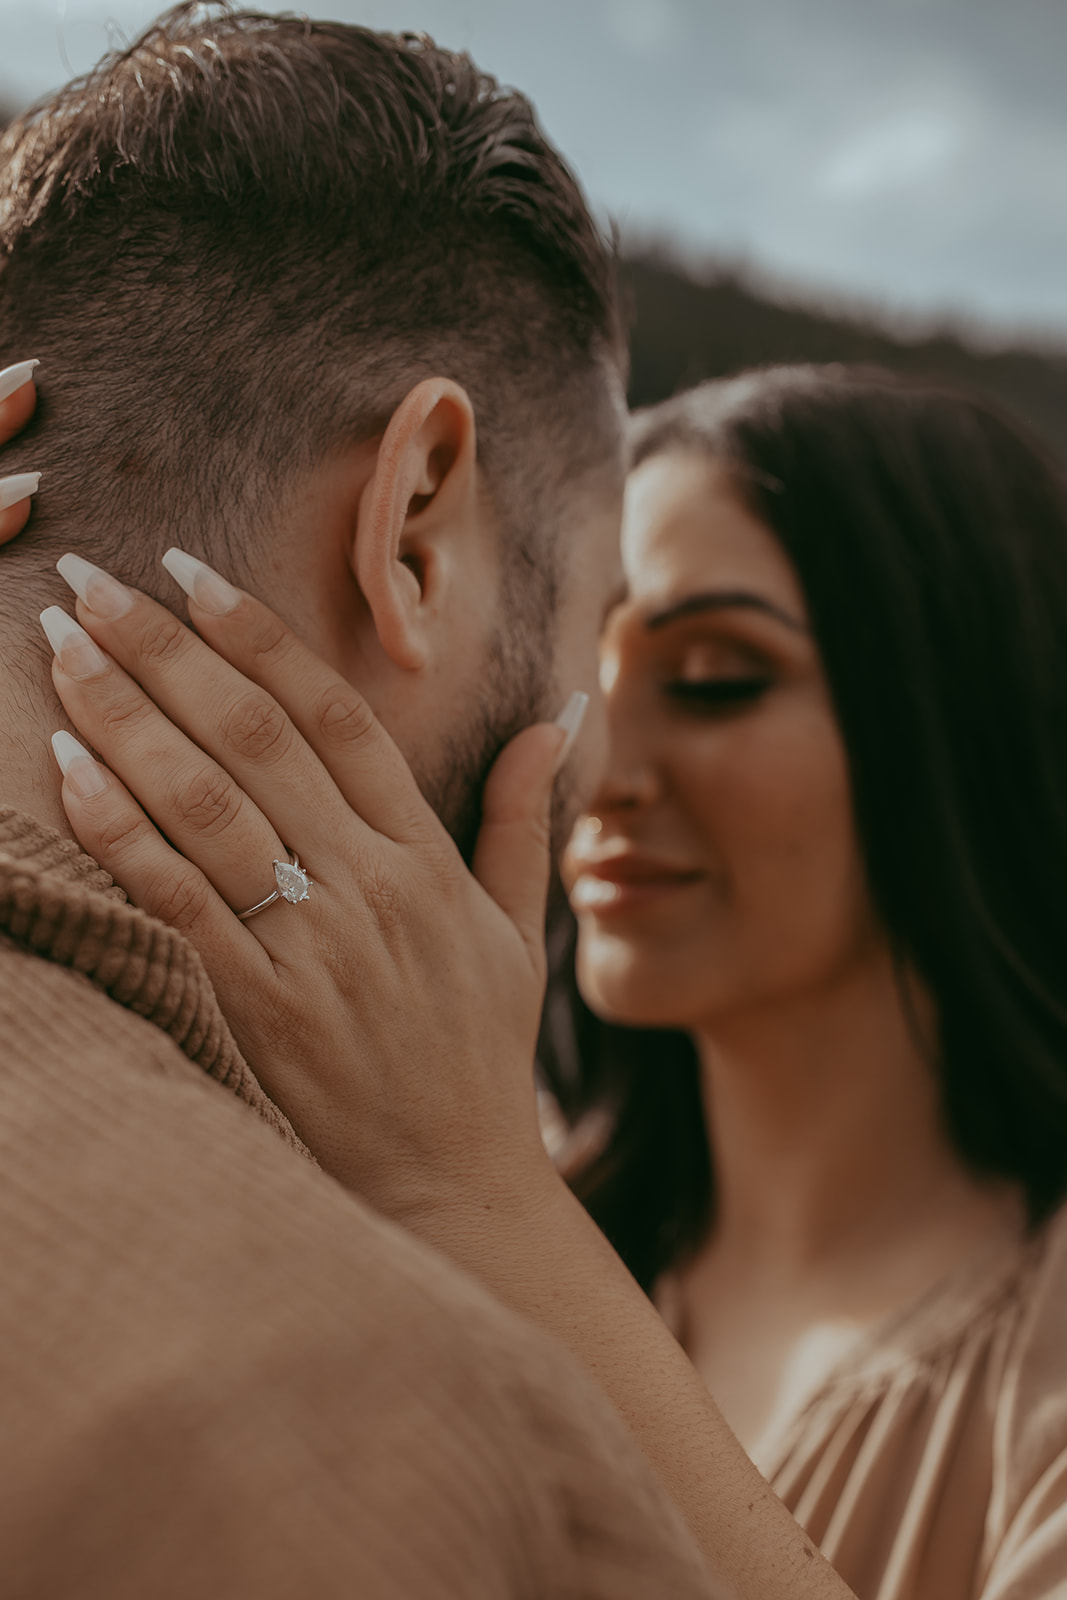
685,329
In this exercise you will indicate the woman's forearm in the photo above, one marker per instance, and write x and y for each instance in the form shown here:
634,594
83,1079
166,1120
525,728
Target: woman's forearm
543,1256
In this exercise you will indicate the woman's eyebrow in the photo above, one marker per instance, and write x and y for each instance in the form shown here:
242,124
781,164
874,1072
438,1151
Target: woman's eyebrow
721,600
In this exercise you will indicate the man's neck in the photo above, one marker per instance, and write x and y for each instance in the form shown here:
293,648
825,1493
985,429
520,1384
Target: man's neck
29,778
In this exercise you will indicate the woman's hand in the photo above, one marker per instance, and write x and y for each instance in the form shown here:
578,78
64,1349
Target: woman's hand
18,398
393,1013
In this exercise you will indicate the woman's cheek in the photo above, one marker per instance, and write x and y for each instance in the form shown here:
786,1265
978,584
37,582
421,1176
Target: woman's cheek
795,867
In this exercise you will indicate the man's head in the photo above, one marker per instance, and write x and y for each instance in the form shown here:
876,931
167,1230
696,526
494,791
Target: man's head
324,306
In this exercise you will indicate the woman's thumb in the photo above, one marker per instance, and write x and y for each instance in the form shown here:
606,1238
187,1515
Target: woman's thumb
512,858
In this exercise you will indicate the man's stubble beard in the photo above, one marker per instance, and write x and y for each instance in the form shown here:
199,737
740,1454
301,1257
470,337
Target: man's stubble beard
520,689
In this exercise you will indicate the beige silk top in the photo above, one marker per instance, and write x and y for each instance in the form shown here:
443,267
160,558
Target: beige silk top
931,1464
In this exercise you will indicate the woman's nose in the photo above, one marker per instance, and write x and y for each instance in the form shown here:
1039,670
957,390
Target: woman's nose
626,786
629,778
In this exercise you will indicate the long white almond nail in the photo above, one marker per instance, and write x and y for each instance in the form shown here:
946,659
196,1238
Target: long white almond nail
101,592
85,776
78,655
570,720
20,487
12,378
202,583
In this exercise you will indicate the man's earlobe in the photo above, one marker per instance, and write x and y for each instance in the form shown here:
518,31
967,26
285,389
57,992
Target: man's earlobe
424,477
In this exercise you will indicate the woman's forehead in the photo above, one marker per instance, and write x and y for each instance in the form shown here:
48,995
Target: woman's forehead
685,527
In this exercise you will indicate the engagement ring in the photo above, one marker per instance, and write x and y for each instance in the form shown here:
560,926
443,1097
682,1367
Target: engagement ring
293,885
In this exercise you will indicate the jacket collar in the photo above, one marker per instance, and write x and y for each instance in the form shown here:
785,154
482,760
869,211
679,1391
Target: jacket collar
60,904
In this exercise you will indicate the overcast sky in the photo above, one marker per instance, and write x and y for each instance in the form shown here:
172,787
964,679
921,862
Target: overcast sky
908,153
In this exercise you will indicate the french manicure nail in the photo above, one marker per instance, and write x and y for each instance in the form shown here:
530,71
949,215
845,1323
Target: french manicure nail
202,583
78,655
100,591
12,378
85,776
20,487
570,720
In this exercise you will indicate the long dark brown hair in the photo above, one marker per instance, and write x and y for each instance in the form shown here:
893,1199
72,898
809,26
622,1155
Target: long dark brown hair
930,540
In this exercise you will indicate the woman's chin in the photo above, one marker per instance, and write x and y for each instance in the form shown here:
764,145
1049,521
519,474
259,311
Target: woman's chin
623,998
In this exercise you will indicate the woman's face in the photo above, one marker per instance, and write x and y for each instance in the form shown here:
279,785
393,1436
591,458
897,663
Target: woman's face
719,869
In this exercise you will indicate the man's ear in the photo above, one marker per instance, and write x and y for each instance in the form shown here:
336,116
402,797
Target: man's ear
424,482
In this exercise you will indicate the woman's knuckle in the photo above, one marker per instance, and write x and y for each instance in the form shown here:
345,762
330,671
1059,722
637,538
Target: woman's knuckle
125,714
117,834
267,638
383,896
180,899
255,727
343,717
206,803
162,638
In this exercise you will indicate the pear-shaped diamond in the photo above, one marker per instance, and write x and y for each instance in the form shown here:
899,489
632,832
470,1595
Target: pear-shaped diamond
293,882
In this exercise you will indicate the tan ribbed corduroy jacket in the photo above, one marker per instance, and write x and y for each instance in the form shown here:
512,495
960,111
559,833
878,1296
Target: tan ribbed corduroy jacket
220,1376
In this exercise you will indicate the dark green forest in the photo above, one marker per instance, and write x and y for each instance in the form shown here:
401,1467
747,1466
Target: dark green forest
685,329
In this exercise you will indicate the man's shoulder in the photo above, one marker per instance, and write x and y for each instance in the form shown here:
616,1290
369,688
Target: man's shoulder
212,1353
115,1146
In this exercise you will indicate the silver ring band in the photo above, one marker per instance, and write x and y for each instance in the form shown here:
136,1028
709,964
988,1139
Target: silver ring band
293,885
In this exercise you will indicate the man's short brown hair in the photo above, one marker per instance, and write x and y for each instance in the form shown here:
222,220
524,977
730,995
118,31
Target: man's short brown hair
237,243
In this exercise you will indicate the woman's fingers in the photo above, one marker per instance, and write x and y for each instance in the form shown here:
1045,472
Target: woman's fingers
18,397
332,716
239,725
512,857
114,830
16,503
188,795
512,854
243,724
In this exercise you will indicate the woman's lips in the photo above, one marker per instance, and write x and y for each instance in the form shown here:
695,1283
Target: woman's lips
612,886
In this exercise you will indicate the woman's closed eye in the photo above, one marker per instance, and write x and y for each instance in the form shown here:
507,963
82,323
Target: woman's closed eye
716,694
714,674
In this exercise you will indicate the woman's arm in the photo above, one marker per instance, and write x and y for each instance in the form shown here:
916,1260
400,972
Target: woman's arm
538,1251
393,1014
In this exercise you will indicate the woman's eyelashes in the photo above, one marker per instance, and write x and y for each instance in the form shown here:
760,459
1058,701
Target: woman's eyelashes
716,694
714,674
